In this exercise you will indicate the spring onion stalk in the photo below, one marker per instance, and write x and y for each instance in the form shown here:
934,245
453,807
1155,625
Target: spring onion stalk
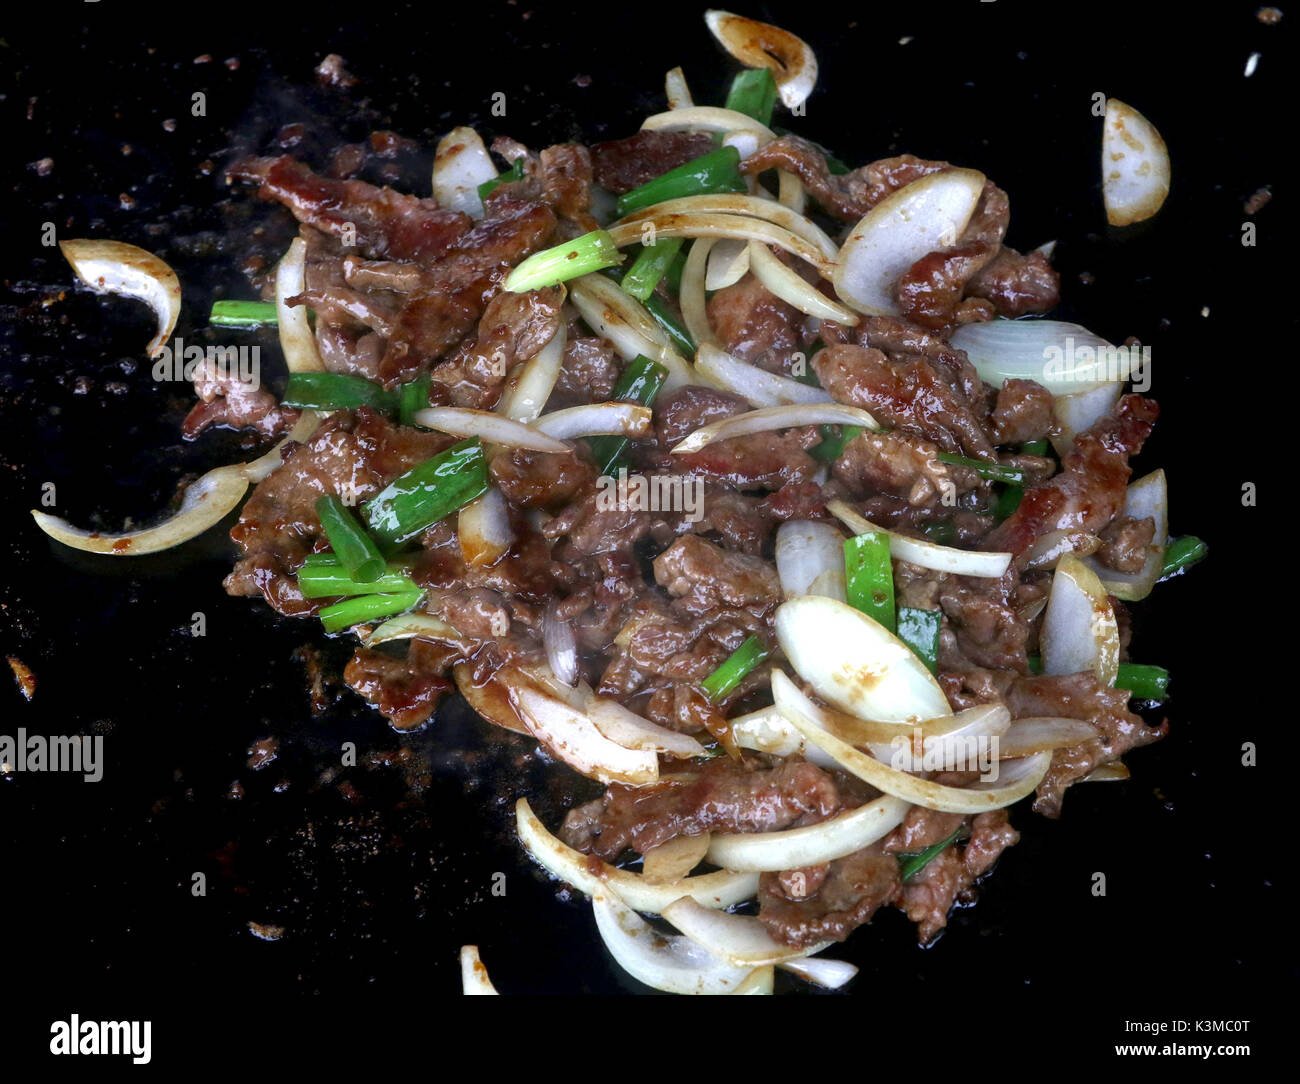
363,608
713,172
1007,501
514,173
427,492
942,531
242,314
870,574
331,581
740,663
753,92
657,307
318,560
639,383
336,391
591,252
1143,681
650,266
1181,554
912,864
412,397
673,276
919,630
997,472
1034,447
1034,663
357,553
834,438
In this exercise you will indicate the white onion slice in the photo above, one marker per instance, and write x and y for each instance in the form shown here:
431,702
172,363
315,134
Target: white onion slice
676,90
597,419
760,981
1113,772
706,118
1079,629
761,388
531,384
981,563
855,663
723,889
484,530
493,428
1064,358
768,731
692,297
917,219
297,339
263,465
810,559
735,203
739,940
1077,412
1034,734
796,848
631,731
1134,165
1048,549
460,165
561,647
831,974
619,317
411,627
728,264
473,975
114,267
572,737
1147,498
675,965
760,45
794,290
746,227
1016,778
491,700
775,417
674,860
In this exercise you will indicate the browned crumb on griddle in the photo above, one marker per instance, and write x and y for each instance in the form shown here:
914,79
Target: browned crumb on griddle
23,675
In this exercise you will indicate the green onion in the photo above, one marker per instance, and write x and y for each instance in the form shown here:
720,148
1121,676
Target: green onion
870,575
942,531
242,314
912,864
1034,447
573,259
998,472
712,172
356,551
412,397
1181,554
639,383
753,92
314,560
1143,682
337,391
329,581
834,438
919,630
514,173
427,492
356,611
650,266
673,276
657,307
1034,663
1007,501
747,657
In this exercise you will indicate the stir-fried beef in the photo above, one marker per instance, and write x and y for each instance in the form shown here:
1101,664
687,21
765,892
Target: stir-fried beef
588,373
1124,544
225,399
1017,283
696,569
1023,413
681,412
893,462
833,903
621,165
755,325
406,691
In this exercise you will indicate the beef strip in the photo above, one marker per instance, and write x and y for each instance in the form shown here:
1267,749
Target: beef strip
846,895
1125,544
1017,283
621,165
405,691
1023,413
226,400
755,325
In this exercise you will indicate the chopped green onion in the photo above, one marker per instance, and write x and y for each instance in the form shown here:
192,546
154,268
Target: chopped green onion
657,307
573,259
834,438
337,391
870,575
1034,447
357,553
412,397
427,492
1007,501
1143,681
514,173
912,864
243,314
919,630
747,657
753,92
1181,554
639,383
673,276
650,266
329,581
943,531
1034,663
998,472
713,172
313,560
363,608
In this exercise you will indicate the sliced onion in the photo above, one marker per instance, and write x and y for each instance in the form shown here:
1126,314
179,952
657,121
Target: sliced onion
493,428
676,90
1113,772
831,974
775,417
561,647
1016,778
619,317
1147,498
263,465
981,563
114,267
531,384
1079,629
675,965
1048,549
761,388
460,165
412,627
794,290
767,731
855,663
1064,358
723,889
631,731
761,45
706,118
484,530
810,559
491,700
797,848
297,339
1035,734
597,419
1075,413
728,264
734,203
739,940
473,975
917,219
746,227
692,297
674,860
1134,166
761,980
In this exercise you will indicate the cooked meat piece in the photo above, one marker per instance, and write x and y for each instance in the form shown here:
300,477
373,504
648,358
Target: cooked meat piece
893,462
344,351
743,522
852,890
598,522
1023,413
540,479
405,691
588,373
755,325
679,413
930,291
225,399
477,612
559,177
766,460
1125,543
665,642
921,828
692,566
901,340
988,629
621,165
1017,284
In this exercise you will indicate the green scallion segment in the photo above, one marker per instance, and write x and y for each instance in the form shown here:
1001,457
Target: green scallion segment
573,259
753,92
357,553
1181,554
834,438
412,397
909,865
1034,447
337,391
1007,501
330,581
639,383
942,531
657,307
426,493
1143,681
514,173
650,266
713,172
739,664
919,630
673,276
997,472
870,575
363,608
243,314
